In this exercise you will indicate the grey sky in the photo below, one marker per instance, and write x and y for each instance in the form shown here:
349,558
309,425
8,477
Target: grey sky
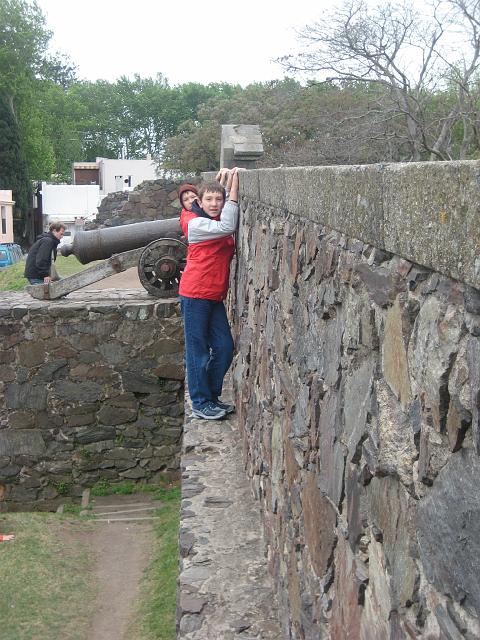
185,40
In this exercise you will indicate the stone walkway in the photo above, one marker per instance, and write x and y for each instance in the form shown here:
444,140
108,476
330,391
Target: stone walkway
225,591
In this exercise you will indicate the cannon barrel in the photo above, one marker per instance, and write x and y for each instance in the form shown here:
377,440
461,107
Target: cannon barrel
99,244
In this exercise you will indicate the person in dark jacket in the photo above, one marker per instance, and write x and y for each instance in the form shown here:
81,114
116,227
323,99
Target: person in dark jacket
39,259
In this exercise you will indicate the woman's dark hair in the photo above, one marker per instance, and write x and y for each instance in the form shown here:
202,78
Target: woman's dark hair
211,187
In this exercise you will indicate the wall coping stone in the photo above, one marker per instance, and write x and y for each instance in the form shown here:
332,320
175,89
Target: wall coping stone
426,212
18,303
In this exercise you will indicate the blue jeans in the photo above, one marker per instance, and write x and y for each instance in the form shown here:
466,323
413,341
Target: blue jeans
35,280
208,347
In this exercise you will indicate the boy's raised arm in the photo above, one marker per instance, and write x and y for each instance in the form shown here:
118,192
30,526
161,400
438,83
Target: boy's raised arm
232,185
228,178
203,229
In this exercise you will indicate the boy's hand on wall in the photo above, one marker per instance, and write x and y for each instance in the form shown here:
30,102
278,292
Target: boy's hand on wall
228,178
222,176
231,176
232,184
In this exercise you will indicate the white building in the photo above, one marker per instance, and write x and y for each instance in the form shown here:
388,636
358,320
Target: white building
114,175
6,216
69,204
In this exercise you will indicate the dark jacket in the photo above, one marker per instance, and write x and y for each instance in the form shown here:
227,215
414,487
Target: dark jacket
39,257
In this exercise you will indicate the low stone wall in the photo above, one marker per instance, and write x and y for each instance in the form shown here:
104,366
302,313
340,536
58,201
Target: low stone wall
358,391
91,388
150,200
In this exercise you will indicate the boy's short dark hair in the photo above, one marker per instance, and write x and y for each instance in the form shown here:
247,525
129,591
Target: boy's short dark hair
211,187
56,226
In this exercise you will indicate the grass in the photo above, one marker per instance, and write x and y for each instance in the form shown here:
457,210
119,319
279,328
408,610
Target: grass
11,278
47,585
74,509
45,579
106,488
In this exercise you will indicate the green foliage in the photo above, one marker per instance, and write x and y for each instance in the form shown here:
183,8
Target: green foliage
134,117
33,85
314,124
13,167
194,150
86,454
167,494
23,43
37,145
11,278
71,508
61,486
58,124
107,488
25,152
119,439
127,487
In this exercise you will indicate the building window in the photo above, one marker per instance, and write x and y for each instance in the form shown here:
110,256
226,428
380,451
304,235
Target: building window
4,219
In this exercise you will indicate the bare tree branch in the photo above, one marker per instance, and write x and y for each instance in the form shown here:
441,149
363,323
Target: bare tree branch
395,47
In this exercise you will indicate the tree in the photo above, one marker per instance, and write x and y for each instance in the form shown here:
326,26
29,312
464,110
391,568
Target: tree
13,167
135,117
23,43
195,149
406,54
301,125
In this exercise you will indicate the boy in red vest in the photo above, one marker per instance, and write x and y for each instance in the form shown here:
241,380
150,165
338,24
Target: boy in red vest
209,229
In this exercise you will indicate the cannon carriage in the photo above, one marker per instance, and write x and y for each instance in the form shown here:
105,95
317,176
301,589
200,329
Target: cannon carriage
155,247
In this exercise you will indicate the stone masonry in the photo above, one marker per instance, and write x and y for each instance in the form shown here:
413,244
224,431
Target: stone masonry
91,388
225,591
357,382
150,200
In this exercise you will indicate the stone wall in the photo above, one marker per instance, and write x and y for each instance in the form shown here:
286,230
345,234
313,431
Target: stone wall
91,388
150,200
358,392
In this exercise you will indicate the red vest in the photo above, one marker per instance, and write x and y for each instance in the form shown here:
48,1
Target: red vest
207,272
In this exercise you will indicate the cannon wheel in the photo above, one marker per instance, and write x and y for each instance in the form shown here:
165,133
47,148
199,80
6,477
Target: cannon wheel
161,266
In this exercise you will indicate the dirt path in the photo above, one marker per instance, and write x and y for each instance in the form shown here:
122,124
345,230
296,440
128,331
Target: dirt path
126,280
122,553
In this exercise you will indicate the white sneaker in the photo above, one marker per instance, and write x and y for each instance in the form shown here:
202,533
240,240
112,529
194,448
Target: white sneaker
209,411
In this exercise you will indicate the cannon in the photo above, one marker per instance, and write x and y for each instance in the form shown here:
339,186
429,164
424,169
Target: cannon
154,246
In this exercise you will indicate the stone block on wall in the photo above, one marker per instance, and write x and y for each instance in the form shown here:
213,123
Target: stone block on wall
449,530
431,214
